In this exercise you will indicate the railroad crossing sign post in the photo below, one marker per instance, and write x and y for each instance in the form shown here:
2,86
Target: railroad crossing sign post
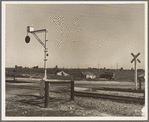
135,60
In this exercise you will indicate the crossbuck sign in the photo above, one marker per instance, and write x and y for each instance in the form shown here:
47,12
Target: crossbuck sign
135,60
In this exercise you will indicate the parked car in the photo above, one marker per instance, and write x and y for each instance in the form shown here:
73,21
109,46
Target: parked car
108,75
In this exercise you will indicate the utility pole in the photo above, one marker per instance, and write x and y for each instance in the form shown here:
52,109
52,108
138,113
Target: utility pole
117,65
30,73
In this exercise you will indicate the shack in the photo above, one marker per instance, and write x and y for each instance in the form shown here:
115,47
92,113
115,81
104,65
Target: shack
141,77
88,75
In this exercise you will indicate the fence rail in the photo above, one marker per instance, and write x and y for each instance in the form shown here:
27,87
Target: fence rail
97,95
46,104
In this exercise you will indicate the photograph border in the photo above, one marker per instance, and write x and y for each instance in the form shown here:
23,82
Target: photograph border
3,111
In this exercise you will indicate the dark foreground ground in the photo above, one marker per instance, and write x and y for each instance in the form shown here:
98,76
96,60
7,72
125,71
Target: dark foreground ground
22,99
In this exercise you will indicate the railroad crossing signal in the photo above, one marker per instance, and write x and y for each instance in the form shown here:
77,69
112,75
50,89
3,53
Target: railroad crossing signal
27,40
135,60
135,56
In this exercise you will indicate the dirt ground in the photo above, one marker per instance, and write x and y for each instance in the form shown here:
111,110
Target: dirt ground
23,99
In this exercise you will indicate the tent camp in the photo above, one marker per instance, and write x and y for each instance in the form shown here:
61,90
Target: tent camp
88,75
62,73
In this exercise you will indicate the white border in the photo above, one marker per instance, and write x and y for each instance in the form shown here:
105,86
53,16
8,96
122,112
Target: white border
146,61
3,63
71,118
73,2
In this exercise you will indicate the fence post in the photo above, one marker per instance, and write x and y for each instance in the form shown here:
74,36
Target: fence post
72,90
139,84
46,105
14,78
14,75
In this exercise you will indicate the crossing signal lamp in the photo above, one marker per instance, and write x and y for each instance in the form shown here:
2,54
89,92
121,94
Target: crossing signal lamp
29,29
27,39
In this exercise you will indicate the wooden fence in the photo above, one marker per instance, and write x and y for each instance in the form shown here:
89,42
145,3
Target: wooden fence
46,104
72,93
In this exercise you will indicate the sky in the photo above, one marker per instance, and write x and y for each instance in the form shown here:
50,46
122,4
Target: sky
79,35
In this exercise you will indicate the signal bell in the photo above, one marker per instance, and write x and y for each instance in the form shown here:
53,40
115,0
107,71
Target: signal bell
27,39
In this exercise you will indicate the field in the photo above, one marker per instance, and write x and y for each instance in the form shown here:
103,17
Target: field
23,99
120,75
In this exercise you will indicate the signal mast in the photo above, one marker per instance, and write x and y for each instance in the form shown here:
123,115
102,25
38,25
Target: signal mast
31,30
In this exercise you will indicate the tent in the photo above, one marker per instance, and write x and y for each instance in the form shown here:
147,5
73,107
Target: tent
88,75
62,73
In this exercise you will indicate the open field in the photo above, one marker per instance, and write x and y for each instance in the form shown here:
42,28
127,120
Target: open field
22,99
120,75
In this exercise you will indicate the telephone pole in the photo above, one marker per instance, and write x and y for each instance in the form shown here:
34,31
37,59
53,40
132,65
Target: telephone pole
117,65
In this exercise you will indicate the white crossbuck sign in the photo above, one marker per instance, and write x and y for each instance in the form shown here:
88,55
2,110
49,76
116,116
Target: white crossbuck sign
135,61
135,56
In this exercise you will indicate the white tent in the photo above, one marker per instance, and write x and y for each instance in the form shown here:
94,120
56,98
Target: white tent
88,75
62,73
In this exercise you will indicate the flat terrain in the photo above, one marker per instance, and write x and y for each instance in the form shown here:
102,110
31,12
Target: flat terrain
23,99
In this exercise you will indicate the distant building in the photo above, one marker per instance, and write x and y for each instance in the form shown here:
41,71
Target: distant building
88,75
18,67
141,77
121,69
35,67
62,73
140,70
26,67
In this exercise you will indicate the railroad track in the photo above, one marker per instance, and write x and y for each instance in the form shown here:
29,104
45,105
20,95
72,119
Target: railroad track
111,97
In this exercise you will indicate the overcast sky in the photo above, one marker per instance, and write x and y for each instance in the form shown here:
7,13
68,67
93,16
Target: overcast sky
79,35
